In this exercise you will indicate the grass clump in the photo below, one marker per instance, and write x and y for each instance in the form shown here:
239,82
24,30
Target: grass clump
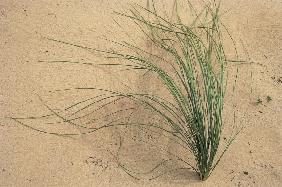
190,61
268,98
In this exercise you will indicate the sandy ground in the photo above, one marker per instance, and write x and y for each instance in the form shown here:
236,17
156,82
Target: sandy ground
30,158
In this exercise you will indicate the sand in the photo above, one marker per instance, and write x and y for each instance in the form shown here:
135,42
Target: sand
30,158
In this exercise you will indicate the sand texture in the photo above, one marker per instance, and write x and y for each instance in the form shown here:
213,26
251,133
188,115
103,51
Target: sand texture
32,158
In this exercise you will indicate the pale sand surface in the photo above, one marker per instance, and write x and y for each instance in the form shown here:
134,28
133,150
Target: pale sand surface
29,158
